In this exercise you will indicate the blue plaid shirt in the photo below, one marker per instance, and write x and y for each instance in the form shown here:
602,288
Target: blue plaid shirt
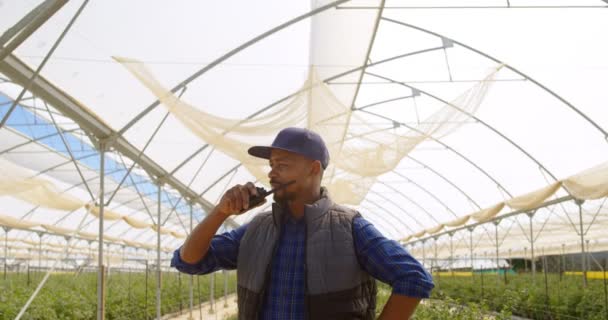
382,258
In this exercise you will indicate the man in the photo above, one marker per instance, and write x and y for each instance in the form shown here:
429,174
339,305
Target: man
308,258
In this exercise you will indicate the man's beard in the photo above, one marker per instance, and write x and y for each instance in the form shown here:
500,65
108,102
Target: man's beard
284,197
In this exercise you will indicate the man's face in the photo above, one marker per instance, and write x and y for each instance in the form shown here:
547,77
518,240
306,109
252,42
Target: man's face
287,166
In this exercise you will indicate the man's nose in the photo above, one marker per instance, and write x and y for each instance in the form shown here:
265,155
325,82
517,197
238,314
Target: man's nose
271,174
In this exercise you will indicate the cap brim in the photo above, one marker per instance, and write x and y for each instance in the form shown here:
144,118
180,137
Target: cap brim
264,151
260,152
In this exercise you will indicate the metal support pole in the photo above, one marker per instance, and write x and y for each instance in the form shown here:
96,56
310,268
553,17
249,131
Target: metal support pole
544,260
146,293
564,256
158,271
579,203
588,255
604,269
497,248
211,292
179,286
510,266
533,264
451,254
236,291
40,251
423,254
100,266
436,262
6,230
225,288
435,251
471,251
191,284
200,302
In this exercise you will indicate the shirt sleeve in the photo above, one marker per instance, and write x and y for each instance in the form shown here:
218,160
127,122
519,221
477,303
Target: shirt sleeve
222,254
389,262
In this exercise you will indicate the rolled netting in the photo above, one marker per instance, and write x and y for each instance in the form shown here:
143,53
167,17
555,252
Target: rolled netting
21,183
589,184
360,148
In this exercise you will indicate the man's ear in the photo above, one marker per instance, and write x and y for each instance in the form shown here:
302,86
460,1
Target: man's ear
316,167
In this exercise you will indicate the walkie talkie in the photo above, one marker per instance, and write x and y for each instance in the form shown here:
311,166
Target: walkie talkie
262,193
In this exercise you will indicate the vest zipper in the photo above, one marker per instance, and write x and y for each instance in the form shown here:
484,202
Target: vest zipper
306,292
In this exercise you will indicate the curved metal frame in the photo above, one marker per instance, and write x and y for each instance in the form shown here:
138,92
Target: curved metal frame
560,98
485,124
245,45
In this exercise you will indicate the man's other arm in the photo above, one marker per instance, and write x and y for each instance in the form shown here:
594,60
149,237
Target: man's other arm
389,262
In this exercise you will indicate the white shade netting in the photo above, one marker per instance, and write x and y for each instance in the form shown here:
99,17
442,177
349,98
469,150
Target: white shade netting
426,134
359,151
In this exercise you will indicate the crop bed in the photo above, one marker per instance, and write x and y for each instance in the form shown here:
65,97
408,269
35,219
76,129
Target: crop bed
70,296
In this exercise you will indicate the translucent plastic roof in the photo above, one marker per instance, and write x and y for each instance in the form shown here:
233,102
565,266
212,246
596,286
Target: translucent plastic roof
541,119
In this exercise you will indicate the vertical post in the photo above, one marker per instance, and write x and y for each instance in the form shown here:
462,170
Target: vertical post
451,234
146,293
200,300
191,276
122,262
509,267
526,259
179,286
130,304
424,254
564,257
158,271
225,288
6,230
533,264
544,259
211,292
579,203
481,274
559,268
471,252
572,262
436,261
236,291
497,248
605,289
39,251
28,270
588,255
100,266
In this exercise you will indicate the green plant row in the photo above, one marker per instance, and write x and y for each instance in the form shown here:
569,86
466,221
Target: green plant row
559,297
444,309
70,296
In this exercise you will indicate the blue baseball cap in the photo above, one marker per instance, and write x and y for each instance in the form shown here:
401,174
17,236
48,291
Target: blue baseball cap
297,140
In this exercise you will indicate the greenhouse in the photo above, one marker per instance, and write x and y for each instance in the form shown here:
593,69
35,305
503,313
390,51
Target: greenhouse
472,132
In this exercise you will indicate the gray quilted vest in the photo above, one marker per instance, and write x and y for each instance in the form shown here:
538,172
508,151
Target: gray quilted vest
337,287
